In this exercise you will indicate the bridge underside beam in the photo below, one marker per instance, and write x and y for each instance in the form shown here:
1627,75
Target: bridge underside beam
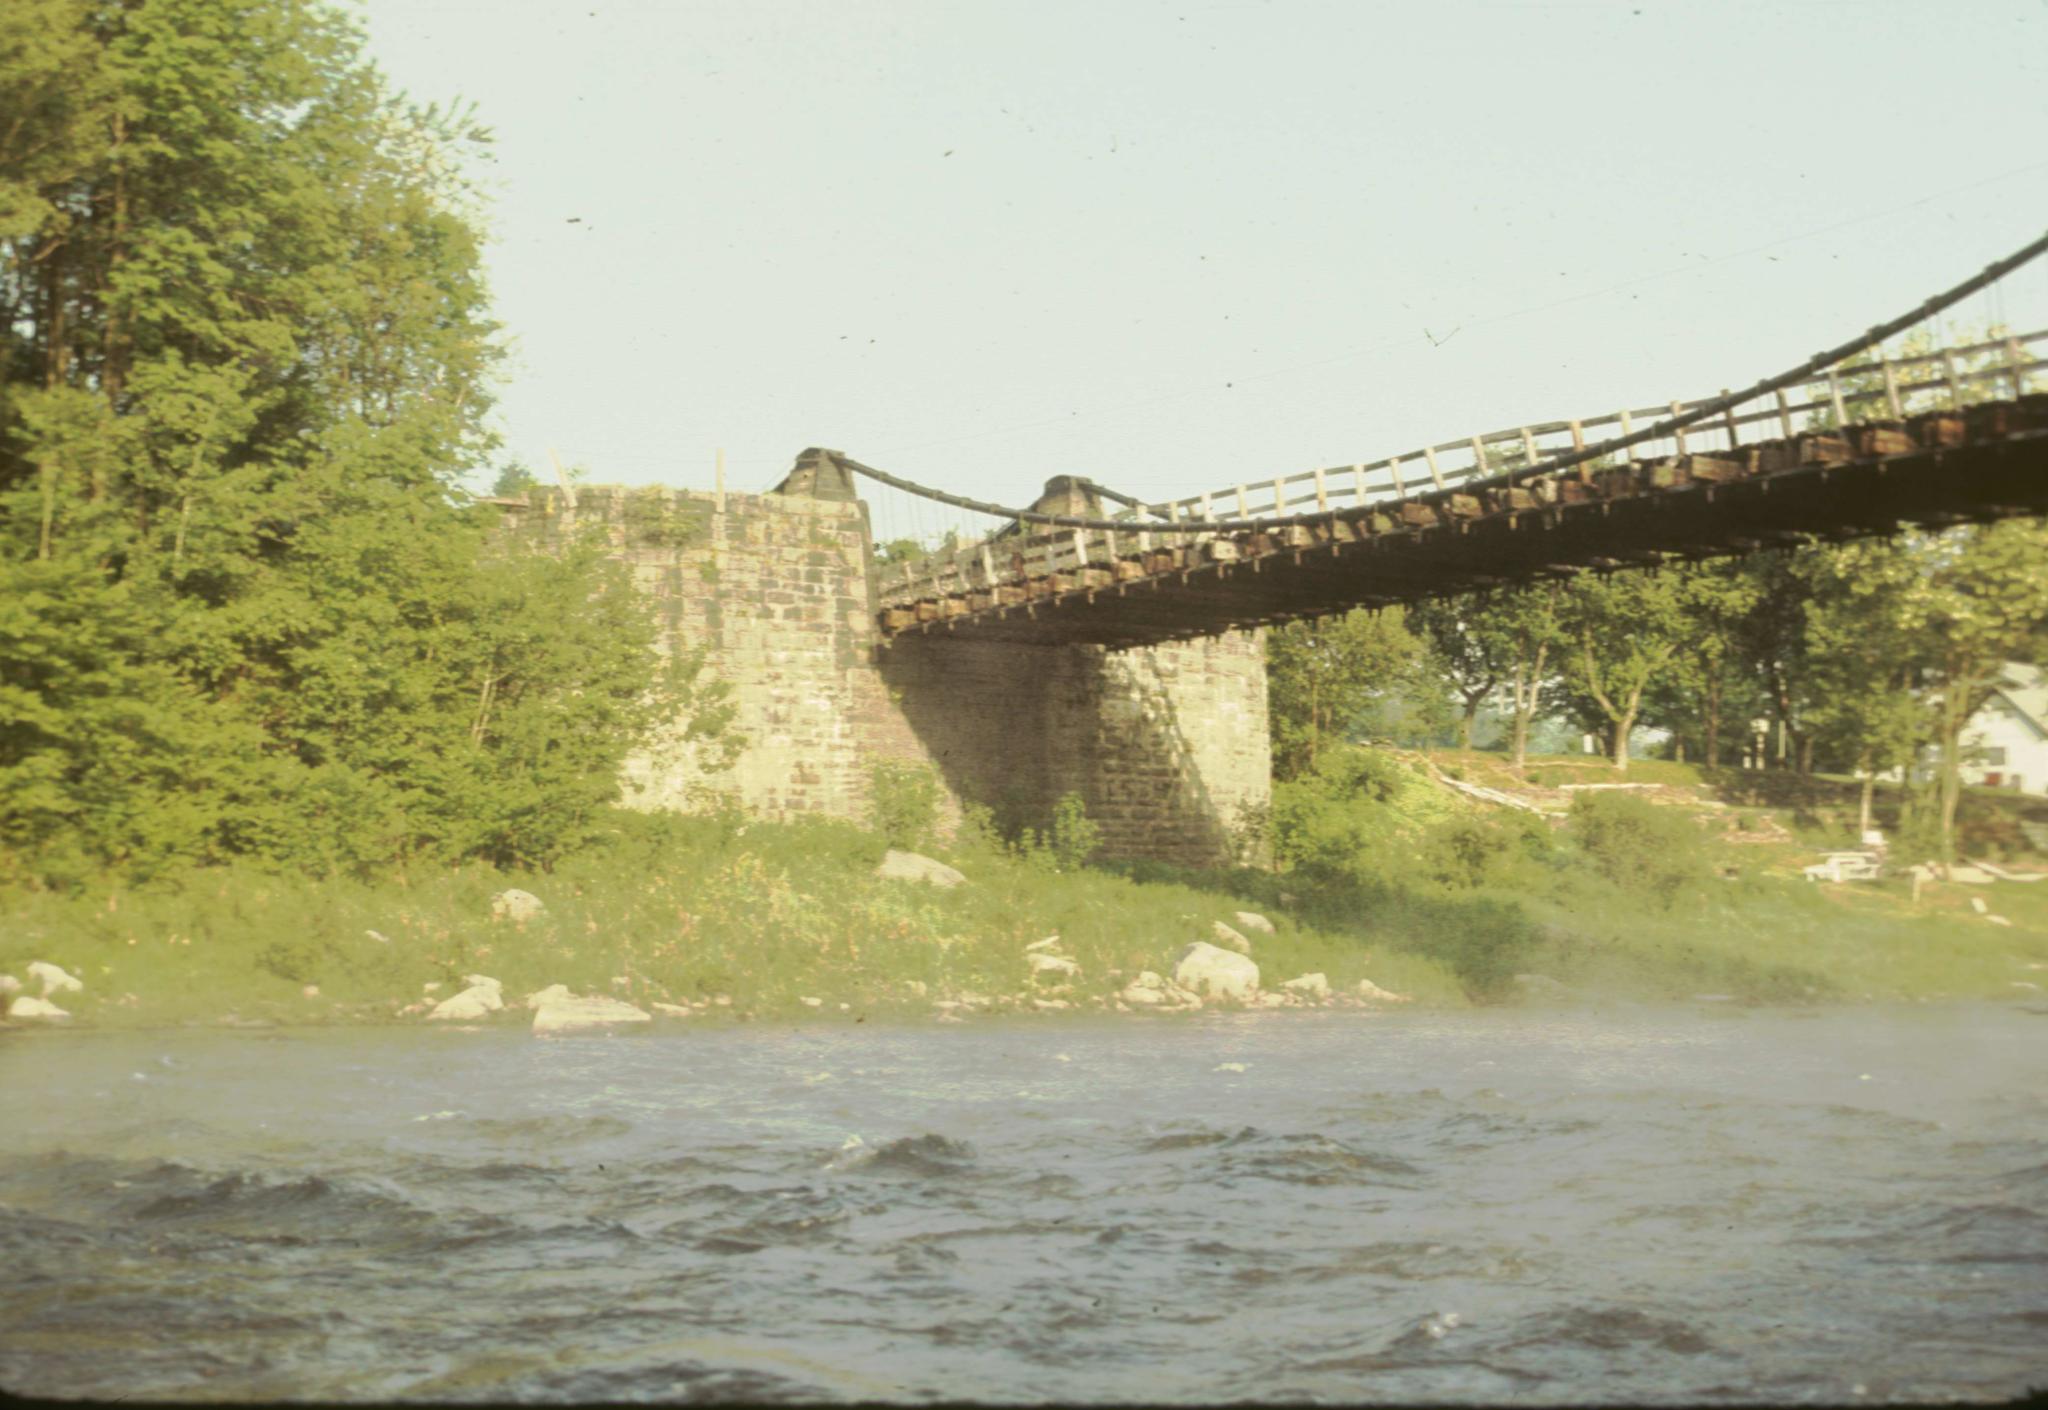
1676,509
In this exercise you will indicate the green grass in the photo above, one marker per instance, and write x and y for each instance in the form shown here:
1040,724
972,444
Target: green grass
1443,899
679,911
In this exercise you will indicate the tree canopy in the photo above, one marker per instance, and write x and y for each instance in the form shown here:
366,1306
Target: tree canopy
245,356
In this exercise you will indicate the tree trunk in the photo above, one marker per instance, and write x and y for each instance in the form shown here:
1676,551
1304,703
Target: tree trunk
1949,780
1712,720
1618,749
1803,741
1518,740
1869,771
1465,724
114,343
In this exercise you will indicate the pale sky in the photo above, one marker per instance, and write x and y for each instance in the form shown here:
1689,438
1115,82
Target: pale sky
1174,246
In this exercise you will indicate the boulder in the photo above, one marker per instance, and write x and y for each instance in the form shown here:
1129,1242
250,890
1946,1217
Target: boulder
909,866
1369,990
1254,922
1229,938
573,1012
9,984
674,1010
552,994
1044,964
29,1006
1147,991
53,979
1309,986
516,905
1219,974
472,1003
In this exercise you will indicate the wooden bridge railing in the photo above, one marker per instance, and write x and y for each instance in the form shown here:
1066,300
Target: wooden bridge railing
1858,391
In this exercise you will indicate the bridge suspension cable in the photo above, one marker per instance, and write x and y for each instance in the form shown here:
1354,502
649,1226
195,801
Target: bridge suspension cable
1703,411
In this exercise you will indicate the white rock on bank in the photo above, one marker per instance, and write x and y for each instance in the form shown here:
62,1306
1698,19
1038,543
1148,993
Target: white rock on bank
554,993
909,866
1254,922
53,979
1050,942
516,905
1309,986
1043,964
1229,938
30,1006
574,1012
1204,969
1369,990
472,1003
1148,990
9,984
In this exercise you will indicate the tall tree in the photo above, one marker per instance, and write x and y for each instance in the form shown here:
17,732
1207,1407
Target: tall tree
1624,630
1715,598
1866,658
1529,623
244,358
1465,651
1322,674
1980,601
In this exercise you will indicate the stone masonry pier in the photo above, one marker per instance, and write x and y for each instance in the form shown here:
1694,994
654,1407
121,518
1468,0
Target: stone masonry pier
1166,745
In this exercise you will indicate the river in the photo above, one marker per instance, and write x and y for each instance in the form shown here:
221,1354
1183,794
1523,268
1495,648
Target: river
1701,1203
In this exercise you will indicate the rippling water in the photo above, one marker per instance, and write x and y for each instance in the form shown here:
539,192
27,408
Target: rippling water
1639,1205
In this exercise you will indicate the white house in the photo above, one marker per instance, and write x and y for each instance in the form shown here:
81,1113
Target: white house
2005,744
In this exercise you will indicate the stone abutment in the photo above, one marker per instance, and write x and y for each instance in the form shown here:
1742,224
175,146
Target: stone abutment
1166,745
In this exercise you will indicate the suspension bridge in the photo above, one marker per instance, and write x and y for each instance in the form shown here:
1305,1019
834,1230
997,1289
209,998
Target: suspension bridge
1850,443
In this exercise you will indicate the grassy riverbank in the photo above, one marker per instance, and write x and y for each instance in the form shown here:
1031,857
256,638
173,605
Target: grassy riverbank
689,911
1395,879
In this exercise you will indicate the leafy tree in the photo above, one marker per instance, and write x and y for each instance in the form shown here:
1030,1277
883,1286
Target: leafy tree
1716,598
1529,625
1623,632
1466,651
1771,637
1322,674
244,355
1980,600
513,478
1866,658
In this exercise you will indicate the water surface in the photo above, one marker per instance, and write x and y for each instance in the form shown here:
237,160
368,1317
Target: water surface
1684,1204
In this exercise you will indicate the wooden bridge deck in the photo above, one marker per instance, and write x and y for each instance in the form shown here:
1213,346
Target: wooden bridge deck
1385,542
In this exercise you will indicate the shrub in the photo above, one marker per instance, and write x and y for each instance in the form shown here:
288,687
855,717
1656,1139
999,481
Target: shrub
1468,851
903,802
1360,773
1639,846
1321,835
1068,843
